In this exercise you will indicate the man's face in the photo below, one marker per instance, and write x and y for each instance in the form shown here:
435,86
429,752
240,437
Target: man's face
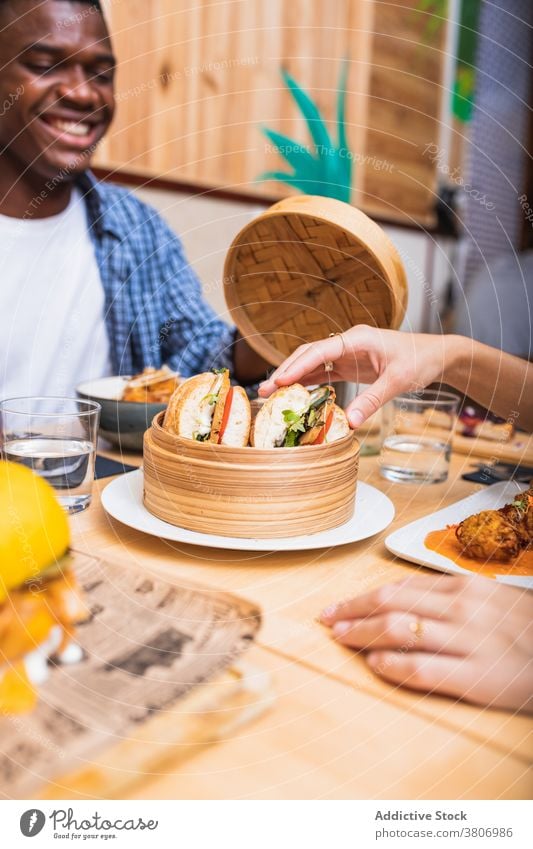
56,84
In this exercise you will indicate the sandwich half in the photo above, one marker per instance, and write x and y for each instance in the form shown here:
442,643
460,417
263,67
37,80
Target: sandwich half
293,416
207,408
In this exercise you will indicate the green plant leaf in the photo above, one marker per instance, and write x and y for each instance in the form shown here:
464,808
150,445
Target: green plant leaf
311,113
307,185
290,417
291,150
325,147
296,425
329,173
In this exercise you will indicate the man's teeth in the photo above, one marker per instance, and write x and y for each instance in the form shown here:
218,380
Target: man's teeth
72,127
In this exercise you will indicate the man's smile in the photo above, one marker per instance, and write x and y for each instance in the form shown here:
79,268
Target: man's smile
76,132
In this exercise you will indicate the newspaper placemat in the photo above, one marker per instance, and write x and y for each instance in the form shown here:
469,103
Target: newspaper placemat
147,644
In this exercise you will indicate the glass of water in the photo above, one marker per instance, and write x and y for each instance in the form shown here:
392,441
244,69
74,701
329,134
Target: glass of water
417,436
56,438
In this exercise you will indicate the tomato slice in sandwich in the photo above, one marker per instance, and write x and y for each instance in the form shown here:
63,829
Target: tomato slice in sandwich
324,432
225,417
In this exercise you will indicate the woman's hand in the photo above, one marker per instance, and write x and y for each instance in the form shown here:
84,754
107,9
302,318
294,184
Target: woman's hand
469,638
392,362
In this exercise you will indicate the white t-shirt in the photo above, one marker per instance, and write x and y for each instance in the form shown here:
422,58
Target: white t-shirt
52,329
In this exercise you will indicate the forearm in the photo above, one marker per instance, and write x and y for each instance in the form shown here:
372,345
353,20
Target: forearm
500,382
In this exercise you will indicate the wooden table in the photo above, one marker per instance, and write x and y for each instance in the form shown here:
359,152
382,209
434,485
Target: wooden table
336,731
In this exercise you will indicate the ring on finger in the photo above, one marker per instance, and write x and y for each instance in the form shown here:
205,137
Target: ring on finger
328,366
416,626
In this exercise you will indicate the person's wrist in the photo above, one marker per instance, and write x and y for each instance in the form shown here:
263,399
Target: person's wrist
457,353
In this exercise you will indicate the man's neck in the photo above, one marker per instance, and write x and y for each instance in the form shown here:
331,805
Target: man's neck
31,196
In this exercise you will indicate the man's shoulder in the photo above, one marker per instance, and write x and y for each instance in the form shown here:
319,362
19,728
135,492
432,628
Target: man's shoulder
119,209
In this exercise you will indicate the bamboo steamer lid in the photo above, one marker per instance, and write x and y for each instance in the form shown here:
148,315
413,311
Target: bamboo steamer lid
307,267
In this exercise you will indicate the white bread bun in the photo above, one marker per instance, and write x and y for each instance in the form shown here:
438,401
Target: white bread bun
170,412
192,412
237,432
339,427
270,427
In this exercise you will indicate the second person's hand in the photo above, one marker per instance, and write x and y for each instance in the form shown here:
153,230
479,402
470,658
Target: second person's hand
392,362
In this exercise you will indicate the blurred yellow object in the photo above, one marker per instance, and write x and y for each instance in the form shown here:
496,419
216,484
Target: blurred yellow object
34,531
17,693
39,597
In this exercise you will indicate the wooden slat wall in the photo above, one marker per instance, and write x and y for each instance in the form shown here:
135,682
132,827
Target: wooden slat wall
404,102
197,80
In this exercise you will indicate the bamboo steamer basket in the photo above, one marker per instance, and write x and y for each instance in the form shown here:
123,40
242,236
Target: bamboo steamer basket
305,268
249,492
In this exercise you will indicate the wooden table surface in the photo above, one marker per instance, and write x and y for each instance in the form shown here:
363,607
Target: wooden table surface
336,731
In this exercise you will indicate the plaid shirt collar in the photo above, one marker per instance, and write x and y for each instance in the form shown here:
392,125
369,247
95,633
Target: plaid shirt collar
104,215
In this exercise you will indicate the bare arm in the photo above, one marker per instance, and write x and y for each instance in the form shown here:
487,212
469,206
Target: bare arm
500,382
394,362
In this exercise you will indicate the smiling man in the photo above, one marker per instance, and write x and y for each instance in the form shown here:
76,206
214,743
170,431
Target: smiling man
93,281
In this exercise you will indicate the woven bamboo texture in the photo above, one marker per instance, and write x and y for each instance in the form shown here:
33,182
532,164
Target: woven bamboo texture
307,267
249,492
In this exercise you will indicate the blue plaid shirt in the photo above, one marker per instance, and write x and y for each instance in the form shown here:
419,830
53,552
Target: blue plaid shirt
154,312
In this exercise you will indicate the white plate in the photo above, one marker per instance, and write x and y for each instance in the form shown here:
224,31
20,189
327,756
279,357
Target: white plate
122,499
408,542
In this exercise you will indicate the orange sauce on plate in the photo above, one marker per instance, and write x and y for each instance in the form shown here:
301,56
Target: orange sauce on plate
446,543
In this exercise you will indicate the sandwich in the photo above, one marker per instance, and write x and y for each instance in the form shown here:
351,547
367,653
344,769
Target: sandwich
40,602
207,408
295,416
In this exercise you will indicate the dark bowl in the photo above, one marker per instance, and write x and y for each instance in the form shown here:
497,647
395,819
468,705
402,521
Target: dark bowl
122,423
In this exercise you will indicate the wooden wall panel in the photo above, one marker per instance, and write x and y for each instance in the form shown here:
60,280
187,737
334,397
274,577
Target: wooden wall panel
197,80
404,97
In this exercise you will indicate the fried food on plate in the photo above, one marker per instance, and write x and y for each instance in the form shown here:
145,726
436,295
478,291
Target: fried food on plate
499,534
207,408
152,386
